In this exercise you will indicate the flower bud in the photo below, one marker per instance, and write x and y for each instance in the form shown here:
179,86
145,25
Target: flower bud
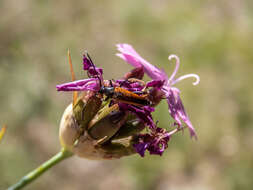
69,131
91,130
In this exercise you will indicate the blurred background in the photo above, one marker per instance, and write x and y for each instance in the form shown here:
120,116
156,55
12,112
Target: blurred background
212,38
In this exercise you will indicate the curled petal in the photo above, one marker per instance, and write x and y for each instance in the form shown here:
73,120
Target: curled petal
187,76
176,67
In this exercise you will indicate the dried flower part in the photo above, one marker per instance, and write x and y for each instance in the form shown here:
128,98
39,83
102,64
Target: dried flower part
155,96
118,148
86,147
155,142
2,132
89,148
131,127
108,126
137,73
86,108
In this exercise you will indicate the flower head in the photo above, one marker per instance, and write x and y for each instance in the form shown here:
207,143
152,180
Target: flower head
171,93
107,125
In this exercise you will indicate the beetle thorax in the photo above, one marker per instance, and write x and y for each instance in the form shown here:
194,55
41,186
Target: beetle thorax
108,91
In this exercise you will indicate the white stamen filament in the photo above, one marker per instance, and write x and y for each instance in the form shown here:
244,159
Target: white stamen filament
176,68
187,76
173,132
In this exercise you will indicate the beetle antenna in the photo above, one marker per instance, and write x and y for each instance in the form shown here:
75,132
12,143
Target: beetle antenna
90,59
111,83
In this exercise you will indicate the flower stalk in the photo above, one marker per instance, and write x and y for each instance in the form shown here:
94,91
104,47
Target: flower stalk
30,177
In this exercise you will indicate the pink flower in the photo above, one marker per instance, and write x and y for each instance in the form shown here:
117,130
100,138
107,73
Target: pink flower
172,94
156,139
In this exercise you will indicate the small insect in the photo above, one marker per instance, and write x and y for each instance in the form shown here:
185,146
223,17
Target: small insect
119,94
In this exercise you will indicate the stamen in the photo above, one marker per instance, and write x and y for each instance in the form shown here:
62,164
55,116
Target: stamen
176,68
172,132
187,76
175,131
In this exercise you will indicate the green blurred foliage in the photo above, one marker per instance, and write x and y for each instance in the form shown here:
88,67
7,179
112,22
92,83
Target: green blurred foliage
212,38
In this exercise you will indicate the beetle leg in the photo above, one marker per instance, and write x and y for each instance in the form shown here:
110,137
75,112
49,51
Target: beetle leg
107,98
111,103
139,92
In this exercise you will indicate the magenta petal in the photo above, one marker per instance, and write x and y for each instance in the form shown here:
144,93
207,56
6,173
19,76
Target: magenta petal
86,63
92,70
143,113
141,148
155,143
160,141
177,111
131,86
79,85
128,54
130,59
155,83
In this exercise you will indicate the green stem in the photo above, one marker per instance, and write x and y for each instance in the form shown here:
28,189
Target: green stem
63,154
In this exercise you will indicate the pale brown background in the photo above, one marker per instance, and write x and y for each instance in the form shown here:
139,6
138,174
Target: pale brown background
213,39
